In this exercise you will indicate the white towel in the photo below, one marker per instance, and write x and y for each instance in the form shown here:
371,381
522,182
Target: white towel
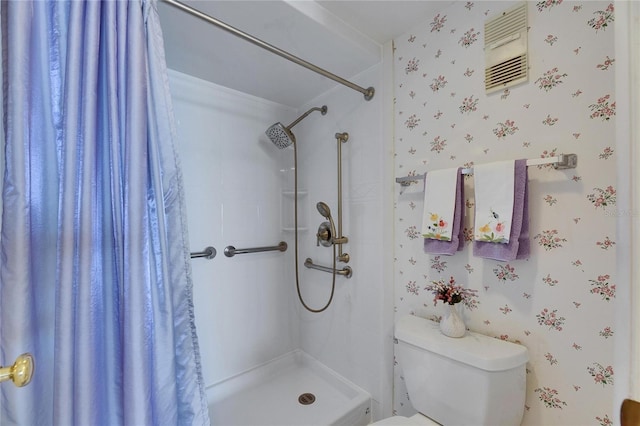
439,204
494,183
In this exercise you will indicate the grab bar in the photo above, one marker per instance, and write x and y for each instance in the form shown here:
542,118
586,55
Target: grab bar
346,271
231,251
208,253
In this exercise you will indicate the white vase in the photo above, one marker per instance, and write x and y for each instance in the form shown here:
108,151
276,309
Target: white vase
452,324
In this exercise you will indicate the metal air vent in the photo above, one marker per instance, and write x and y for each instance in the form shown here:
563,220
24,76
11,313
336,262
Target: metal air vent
505,49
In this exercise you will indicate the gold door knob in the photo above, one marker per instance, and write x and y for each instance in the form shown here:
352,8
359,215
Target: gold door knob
20,372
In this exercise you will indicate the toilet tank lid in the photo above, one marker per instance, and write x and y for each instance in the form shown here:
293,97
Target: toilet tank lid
478,350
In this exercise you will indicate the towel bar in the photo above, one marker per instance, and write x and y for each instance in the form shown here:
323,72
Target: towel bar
231,251
561,162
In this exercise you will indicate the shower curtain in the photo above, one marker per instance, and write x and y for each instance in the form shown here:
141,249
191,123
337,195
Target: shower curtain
95,273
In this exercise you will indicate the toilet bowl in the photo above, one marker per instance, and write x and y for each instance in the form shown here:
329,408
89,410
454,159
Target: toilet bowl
472,380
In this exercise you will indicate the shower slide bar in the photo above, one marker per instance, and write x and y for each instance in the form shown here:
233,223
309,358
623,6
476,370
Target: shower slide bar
231,251
368,92
562,161
208,253
346,271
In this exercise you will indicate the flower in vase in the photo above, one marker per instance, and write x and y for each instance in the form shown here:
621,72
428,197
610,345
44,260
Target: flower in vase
451,293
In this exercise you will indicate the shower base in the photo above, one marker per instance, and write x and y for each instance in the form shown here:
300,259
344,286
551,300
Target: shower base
294,389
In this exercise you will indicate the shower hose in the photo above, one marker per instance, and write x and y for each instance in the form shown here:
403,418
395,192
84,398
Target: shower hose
295,210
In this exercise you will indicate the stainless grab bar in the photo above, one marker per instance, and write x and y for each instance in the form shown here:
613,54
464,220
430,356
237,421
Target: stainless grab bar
231,251
208,253
346,271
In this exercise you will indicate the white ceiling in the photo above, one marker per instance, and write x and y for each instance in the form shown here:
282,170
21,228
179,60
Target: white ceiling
384,20
343,37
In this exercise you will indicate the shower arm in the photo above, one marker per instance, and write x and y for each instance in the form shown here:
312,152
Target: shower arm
341,239
322,109
368,92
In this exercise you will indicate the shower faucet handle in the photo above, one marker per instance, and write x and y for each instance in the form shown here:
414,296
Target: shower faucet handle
323,236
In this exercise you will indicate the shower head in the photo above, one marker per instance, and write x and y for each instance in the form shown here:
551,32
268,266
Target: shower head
324,210
282,136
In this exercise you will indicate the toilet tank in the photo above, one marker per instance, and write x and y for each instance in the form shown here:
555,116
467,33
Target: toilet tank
472,380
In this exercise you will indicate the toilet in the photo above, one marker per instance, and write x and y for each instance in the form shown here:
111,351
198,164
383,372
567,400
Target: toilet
472,380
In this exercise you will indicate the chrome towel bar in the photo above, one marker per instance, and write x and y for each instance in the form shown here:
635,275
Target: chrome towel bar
231,251
346,271
561,162
208,253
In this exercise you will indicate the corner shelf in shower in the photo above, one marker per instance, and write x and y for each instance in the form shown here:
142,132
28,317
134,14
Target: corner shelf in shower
286,206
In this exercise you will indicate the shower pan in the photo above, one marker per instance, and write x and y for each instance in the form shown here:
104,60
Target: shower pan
281,392
282,137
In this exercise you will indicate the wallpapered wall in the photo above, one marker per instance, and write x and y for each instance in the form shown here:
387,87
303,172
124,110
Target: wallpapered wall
560,302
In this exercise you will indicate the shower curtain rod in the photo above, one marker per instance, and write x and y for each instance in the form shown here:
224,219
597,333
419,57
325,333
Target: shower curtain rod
368,92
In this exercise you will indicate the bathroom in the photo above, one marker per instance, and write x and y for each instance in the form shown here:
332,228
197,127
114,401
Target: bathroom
240,190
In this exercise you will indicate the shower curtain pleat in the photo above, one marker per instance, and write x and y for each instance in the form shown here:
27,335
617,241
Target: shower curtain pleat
95,278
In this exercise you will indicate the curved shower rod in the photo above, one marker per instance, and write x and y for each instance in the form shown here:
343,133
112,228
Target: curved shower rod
368,92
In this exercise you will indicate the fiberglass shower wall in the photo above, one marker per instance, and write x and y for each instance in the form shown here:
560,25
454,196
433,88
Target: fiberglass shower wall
233,182
354,335
238,192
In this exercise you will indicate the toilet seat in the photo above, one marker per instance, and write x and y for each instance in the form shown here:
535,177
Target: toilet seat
415,420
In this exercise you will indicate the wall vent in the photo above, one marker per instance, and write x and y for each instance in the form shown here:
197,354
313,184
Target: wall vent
505,49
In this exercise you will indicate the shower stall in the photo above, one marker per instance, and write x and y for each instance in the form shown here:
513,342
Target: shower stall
240,191
250,322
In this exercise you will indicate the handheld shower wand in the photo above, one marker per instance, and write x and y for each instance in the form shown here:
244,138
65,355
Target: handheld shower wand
327,232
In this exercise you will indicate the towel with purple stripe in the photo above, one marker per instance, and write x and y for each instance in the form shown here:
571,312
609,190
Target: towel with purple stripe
501,225
443,212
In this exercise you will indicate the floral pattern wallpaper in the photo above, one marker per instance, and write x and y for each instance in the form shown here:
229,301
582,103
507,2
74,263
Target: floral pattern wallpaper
560,302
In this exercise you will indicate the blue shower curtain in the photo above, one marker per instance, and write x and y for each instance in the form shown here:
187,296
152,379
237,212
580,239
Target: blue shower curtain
95,273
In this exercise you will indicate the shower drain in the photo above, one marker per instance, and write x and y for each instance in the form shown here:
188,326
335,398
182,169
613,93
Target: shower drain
307,398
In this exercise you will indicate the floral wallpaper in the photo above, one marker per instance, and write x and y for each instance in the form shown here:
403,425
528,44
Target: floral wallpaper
560,302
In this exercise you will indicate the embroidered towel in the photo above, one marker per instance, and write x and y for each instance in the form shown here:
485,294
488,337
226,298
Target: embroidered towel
443,209
518,246
494,184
